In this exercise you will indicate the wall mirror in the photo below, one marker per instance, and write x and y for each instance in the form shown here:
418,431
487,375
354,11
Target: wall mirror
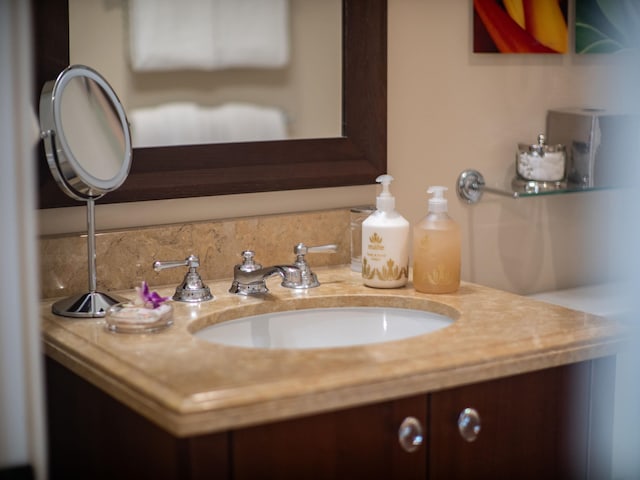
285,82
355,157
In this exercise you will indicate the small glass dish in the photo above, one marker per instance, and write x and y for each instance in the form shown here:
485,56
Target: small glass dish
130,318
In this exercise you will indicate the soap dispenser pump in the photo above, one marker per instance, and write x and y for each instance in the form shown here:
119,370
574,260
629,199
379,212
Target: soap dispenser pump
385,242
436,248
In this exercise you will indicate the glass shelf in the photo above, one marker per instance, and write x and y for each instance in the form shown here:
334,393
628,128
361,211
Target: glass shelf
471,186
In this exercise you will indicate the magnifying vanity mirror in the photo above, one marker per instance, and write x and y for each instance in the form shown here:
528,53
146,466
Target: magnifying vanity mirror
354,157
88,148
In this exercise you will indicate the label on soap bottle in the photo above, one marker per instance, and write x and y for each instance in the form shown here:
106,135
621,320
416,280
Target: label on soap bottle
380,267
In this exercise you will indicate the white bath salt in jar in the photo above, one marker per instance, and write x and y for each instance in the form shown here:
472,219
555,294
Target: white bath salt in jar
541,162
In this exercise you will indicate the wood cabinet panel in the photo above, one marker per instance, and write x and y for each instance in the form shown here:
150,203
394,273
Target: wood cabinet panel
533,426
93,436
354,443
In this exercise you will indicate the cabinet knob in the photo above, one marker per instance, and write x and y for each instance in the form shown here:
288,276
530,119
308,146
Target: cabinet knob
410,434
469,424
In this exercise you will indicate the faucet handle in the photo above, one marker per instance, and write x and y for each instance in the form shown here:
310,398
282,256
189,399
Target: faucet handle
307,278
191,261
248,263
192,289
301,249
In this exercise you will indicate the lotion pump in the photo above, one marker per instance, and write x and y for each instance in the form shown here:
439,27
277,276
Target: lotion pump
385,242
436,248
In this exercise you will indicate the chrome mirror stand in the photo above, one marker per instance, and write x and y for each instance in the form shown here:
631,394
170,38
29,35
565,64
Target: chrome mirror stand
88,159
92,303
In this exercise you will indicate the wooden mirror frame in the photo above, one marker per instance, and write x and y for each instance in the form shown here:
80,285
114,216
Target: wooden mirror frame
355,158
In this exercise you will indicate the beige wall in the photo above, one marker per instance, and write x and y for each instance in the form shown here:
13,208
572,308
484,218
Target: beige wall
449,110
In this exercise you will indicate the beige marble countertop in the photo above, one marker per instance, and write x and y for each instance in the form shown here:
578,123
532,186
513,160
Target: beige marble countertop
189,386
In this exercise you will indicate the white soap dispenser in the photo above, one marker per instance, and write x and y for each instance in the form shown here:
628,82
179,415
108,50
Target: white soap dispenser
385,242
436,248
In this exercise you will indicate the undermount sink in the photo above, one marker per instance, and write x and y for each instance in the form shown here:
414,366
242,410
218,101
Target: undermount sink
327,327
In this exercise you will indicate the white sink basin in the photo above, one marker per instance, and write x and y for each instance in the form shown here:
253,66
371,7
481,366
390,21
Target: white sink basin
324,327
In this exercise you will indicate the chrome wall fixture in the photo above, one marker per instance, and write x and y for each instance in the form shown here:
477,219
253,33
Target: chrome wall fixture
471,186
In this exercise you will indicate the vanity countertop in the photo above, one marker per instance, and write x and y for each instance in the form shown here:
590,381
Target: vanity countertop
189,386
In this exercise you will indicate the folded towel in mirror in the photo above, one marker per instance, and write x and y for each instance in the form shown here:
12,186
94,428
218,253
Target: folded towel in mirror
208,34
186,123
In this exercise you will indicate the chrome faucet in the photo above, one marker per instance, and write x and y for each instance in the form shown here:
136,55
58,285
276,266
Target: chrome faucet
250,277
192,288
308,279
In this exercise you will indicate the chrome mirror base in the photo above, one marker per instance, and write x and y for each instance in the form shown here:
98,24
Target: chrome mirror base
86,305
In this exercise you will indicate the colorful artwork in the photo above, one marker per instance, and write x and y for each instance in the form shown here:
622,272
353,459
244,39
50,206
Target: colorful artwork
605,26
520,26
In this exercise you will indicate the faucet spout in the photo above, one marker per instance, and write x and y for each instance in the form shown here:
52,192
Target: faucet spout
249,282
285,271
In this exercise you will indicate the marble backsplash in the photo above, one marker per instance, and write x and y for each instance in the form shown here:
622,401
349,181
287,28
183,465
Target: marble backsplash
125,257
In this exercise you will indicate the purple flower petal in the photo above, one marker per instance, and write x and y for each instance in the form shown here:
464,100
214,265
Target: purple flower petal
156,300
149,299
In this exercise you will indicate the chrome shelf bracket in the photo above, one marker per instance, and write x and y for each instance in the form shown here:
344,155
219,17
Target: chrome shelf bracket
471,186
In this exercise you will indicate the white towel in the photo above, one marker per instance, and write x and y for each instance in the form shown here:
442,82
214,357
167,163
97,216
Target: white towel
208,34
251,33
186,123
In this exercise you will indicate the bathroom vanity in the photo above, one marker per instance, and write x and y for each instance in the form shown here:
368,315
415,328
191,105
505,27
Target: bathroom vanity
513,388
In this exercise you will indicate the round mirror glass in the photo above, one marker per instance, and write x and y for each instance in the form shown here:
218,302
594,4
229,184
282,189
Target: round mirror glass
87,137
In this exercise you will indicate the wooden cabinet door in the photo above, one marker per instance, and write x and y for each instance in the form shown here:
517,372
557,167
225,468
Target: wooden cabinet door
536,425
354,443
93,436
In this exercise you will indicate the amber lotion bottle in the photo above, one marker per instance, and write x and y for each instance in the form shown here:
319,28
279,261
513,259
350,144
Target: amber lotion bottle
385,242
436,248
